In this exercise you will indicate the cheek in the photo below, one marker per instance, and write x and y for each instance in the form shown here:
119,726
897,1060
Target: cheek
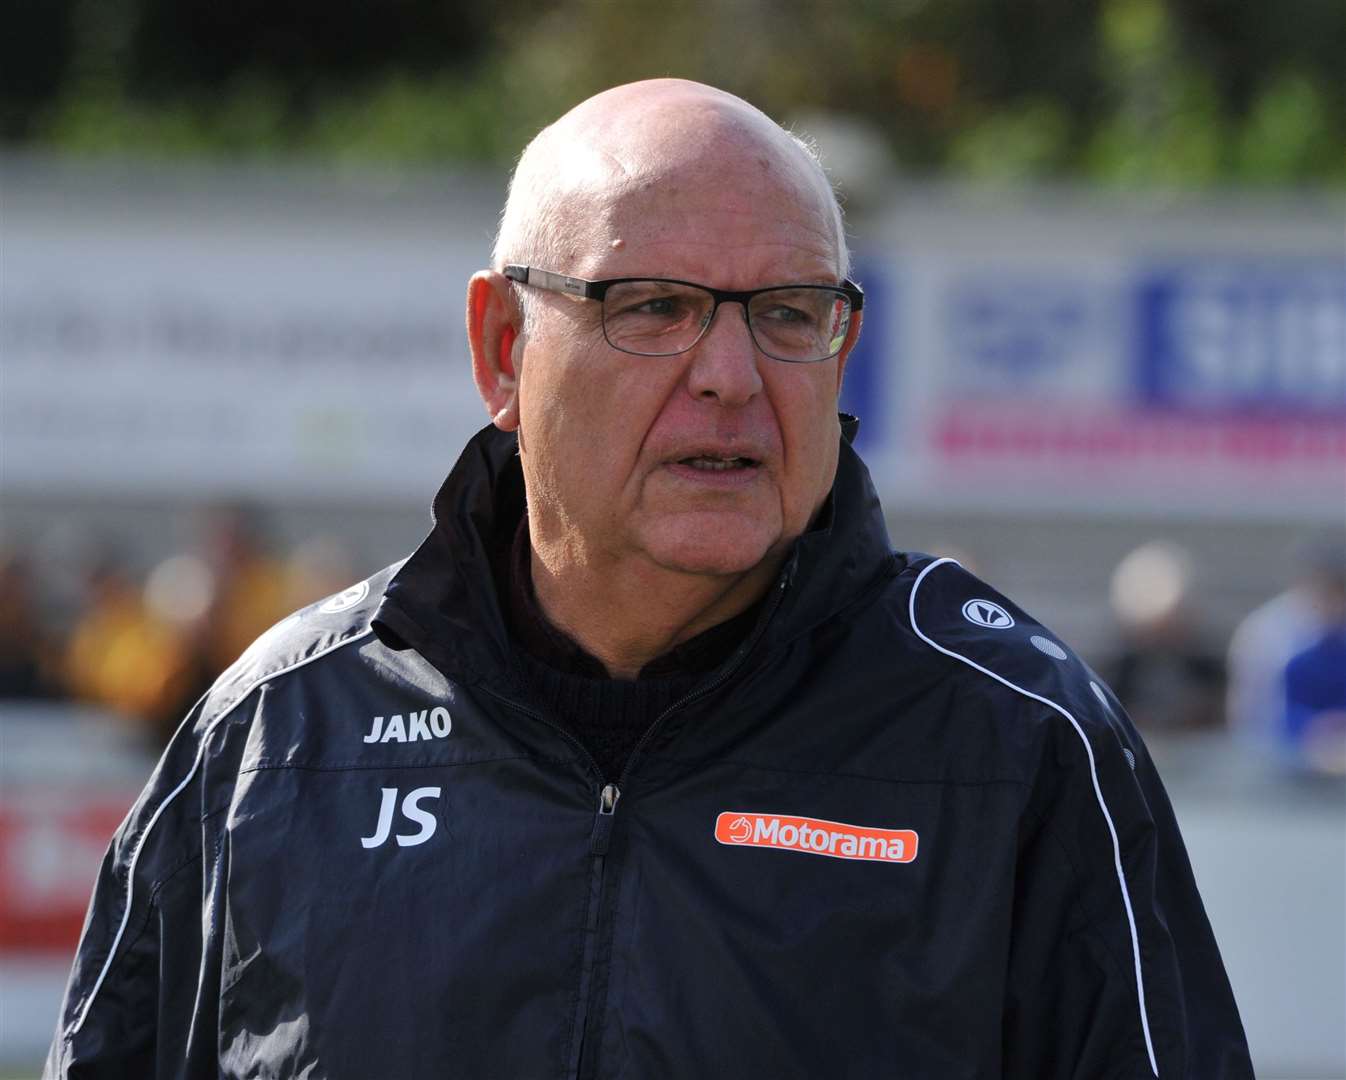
585,411
806,409
805,402
557,386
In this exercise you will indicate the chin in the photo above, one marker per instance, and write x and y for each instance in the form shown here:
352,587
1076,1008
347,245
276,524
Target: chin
713,548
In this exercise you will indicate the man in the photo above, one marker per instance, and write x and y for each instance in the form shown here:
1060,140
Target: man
1261,706
654,760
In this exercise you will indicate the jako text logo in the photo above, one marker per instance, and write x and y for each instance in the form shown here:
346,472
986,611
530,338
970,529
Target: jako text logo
433,723
814,836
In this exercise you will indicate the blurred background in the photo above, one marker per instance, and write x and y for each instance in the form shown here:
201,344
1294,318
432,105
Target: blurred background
1104,364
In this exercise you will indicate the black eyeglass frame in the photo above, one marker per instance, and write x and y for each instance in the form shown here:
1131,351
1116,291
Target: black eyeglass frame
597,290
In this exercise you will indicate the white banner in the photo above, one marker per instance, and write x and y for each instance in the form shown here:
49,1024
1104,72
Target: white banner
243,350
304,339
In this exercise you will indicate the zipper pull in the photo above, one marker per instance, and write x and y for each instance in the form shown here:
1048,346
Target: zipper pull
607,807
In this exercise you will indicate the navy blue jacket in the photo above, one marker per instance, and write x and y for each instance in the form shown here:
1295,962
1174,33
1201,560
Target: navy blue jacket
903,831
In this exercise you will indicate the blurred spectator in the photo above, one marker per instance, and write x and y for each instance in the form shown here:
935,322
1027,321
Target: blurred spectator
318,567
28,664
1315,703
148,654
1164,672
250,590
1302,619
1306,689
122,656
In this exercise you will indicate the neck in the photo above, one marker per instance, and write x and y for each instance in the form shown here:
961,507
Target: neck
629,614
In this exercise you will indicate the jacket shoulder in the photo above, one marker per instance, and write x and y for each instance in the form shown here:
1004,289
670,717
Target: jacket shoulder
960,616
299,639
1132,876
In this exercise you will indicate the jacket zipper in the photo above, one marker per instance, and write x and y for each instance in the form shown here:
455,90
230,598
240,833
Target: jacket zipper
607,808
598,847
608,795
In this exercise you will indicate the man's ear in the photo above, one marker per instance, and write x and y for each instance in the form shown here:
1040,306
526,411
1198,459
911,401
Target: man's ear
492,329
852,336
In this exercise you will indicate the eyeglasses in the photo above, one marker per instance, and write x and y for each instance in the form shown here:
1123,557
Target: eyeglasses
800,324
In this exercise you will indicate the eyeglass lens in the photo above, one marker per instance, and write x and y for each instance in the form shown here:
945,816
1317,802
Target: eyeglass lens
657,318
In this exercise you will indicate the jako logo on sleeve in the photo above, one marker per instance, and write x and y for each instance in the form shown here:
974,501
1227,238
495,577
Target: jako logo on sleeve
814,836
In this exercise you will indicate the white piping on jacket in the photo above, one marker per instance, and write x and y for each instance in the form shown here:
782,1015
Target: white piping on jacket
1098,793
196,764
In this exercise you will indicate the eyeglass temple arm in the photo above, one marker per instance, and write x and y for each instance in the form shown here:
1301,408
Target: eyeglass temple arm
545,279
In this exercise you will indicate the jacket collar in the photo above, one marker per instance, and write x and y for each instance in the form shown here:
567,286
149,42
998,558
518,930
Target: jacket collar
443,602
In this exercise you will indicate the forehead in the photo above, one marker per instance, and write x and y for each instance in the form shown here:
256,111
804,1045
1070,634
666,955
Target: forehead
706,194
715,225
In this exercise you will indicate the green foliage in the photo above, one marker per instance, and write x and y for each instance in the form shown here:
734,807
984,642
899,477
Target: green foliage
1018,143
1128,92
1288,134
246,119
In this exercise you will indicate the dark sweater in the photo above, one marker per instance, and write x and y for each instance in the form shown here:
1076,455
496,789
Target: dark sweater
608,716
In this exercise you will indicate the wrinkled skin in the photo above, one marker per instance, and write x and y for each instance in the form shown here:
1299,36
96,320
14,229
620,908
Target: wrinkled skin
631,540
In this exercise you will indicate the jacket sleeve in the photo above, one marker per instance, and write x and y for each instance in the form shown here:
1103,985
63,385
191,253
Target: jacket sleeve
1113,967
133,993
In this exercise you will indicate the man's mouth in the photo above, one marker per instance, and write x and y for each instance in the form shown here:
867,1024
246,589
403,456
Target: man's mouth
708,463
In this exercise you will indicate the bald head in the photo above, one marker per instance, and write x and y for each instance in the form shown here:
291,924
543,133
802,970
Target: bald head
663,492
630,138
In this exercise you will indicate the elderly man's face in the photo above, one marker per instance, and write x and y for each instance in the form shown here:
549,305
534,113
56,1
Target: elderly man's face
709,461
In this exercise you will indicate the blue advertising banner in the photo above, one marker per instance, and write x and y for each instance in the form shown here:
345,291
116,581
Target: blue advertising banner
1074,376
1245,334
874,366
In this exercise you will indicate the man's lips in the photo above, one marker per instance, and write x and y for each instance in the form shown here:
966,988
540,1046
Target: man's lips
716,454
715,469
709,463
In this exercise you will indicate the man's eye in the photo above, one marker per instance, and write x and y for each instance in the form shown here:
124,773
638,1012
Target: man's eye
667,308
657,305
784,313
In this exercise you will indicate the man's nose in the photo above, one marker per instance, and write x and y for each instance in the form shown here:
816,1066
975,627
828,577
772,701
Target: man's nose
724,362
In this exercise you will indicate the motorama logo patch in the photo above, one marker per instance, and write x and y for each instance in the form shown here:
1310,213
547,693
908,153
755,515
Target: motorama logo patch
815,836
